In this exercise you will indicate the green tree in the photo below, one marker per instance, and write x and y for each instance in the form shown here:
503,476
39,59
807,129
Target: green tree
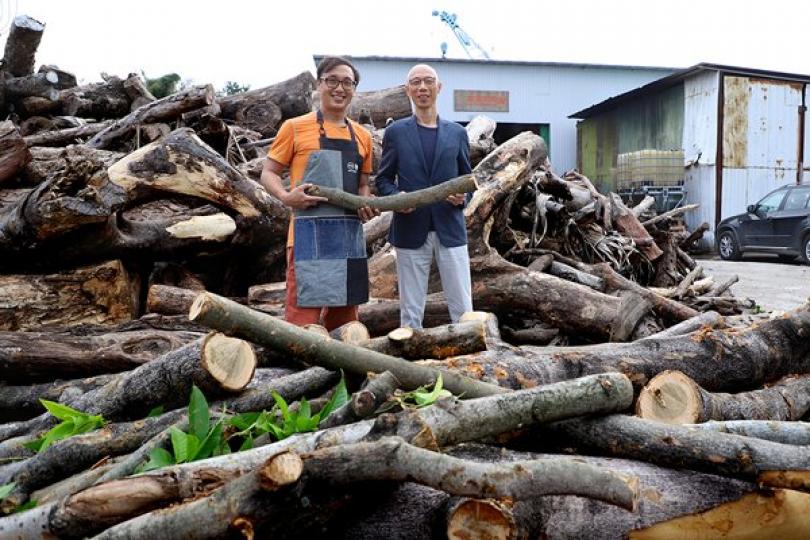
162,86
233,87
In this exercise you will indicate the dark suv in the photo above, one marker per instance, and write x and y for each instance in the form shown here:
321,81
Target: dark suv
779,223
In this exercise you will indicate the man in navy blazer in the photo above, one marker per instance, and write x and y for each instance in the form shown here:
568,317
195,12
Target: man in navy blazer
418,152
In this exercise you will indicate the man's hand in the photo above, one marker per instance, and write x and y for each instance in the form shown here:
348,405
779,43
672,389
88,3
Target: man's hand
297,198
367,212
456,199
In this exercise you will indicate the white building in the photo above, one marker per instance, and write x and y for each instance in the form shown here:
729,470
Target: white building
520,96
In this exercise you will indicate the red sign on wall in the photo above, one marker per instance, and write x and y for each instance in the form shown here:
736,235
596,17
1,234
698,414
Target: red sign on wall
480,101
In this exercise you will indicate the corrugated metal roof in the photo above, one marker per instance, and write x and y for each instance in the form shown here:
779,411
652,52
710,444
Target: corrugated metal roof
418,59
677,77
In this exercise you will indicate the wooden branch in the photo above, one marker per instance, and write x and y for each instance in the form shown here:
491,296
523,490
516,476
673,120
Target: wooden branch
672,213
570,273
707,319
771,464
724,286
626,222
791,432
400,201
646,203
392,458
167,108
63,137
694,236
363,403
674,398
215,311
664,306
683,286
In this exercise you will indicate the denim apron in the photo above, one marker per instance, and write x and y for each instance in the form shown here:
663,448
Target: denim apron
329,250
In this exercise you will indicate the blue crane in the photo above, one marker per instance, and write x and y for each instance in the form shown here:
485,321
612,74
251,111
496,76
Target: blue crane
467,43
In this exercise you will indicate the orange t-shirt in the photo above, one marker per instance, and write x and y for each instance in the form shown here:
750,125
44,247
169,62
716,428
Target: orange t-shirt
300,136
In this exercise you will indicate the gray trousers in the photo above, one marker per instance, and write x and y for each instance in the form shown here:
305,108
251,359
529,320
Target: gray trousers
413,271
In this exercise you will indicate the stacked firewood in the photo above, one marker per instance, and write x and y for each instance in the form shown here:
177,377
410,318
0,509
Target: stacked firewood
140,300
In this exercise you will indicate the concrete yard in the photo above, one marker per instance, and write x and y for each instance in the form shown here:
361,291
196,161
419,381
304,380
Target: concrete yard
773,285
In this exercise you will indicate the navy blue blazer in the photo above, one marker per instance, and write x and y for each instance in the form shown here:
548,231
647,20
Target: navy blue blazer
403,168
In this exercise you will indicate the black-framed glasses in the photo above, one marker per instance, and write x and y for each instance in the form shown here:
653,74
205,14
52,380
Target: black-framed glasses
416,82
333,82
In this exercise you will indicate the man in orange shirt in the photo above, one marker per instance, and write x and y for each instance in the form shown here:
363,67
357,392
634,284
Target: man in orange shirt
327,271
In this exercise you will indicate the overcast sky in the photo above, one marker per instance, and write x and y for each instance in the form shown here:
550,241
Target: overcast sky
261,42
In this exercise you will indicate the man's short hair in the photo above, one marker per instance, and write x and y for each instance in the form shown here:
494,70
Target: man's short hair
328,63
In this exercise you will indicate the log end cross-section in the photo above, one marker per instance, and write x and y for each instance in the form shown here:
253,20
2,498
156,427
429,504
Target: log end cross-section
670,397
230,361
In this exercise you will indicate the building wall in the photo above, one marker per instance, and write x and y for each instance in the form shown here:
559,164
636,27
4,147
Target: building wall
541,94
700,149
760,139
651,122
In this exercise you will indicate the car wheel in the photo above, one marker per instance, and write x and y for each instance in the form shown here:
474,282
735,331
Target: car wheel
727,246
806,249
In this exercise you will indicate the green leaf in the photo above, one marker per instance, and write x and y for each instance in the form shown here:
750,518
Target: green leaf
158,458
244,421
209,444
5,489
247,444
179,445
28,505
339,398
192,445
157,411
62,412
35,445
199,417
282,405
61,431
423,399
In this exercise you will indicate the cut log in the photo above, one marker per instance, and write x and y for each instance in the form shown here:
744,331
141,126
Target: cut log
381,315
21,45
65,79
72,354
102,100
569,273
63,137
14,154
230,317
22,401
168,108
293,97
439,342
38,106
400,201
216,364
101,294
38,84
169,300
181,163
707,319
673,398
353,332
267,293
717,359
136,90
724,286
538,334
769,463
489,320
378,106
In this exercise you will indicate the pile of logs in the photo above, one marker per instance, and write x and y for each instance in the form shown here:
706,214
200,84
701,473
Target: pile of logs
603,389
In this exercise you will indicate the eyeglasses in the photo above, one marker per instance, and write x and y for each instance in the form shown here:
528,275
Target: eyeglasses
417,82
333,82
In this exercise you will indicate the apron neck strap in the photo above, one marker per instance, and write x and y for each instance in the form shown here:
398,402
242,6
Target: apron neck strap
322,131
